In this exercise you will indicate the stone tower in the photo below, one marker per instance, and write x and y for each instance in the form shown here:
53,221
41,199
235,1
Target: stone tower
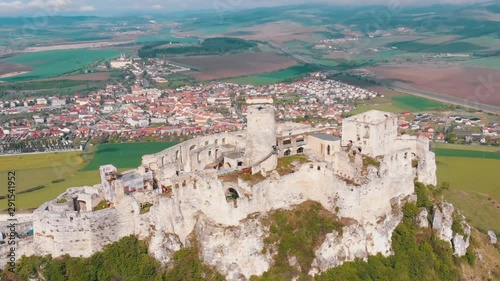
261,135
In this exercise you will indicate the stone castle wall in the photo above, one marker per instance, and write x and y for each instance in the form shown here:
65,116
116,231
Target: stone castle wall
198,202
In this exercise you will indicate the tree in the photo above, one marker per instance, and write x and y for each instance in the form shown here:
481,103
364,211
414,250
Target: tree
451,138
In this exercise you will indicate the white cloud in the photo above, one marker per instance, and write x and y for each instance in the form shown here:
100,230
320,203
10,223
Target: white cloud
88,8
51,7
9,7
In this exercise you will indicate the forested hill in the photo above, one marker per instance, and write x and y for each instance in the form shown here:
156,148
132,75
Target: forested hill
210,46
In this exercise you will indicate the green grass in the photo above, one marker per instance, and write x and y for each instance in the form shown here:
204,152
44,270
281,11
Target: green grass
474,187
470,174
54,63
462,153
490,62
296,233
383,107
273,77
40,169
36,198
124,155
486,148
165,37
453,47
482,212
413,103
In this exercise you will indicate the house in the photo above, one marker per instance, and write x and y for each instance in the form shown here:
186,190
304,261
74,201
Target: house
41,101
38,119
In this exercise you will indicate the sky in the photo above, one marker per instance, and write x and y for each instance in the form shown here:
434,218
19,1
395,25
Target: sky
38,8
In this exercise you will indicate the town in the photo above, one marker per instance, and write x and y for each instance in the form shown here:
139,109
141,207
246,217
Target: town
122,113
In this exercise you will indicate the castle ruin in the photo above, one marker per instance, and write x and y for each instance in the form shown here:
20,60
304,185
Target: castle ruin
364,176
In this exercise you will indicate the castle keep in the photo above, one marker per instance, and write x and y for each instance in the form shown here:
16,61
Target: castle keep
201,186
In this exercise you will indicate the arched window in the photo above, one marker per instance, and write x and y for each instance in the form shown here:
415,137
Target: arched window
287,152
233,193
328,150
300,150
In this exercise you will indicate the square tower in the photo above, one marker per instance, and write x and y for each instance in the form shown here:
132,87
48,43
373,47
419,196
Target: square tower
373,131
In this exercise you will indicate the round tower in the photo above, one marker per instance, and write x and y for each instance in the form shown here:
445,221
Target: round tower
261,135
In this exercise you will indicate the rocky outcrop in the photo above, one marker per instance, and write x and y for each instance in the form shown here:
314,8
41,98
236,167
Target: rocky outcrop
443,220
422,221
163,246
492,236
461,242
355,242
442,223
237,252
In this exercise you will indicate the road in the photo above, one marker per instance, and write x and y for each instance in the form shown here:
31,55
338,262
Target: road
401,87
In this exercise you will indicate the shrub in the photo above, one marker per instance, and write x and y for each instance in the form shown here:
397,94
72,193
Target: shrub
367,160
101,205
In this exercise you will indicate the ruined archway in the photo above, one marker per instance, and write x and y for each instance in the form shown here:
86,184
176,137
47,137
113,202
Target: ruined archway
233,193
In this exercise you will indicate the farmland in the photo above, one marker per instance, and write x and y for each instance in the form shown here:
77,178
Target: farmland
398,104
452,47
474,189
54,63
413,103
273,77
466,153
124,155
45,169
462,82
219,67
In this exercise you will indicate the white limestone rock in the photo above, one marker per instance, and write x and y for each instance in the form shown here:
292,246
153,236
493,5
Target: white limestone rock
460,245
422,221
493,237
163,246
237,251
356,242
442,221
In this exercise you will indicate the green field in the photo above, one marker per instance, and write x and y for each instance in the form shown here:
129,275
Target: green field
474,188
54,63
273,77
490,62
40,169
165,37
462,153
413,103
383,107
474,185
399,104
487,148
124,155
